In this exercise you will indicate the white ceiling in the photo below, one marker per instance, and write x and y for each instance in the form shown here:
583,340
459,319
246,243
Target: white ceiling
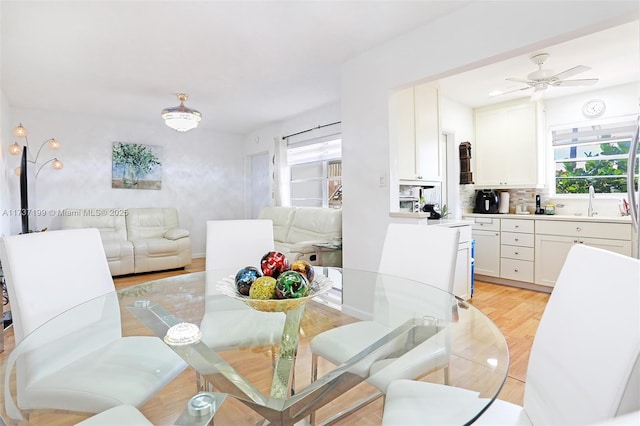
613,55
244,63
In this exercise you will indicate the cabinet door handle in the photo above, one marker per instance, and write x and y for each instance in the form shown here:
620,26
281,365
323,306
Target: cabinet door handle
517,253
515,270
575,241
515,239
578,229
517,226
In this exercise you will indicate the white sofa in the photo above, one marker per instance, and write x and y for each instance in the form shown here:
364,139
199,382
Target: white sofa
136,240
296,229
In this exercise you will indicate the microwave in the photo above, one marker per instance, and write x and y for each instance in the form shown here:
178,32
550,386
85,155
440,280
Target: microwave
410,205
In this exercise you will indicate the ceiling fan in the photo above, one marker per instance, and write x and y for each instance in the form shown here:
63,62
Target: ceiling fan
543,78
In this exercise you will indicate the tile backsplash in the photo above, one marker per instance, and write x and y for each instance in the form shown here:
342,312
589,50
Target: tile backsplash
607,205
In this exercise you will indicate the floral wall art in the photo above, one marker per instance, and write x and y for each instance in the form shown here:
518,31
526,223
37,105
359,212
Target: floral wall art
136,166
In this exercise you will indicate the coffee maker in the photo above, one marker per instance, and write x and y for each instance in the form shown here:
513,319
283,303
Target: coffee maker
486,201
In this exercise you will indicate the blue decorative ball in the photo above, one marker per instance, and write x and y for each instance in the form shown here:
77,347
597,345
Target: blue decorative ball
245,278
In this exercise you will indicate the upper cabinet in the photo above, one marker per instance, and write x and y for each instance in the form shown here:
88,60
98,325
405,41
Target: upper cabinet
507,150
415,125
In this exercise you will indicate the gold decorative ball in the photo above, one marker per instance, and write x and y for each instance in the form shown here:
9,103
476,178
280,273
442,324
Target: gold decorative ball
264,288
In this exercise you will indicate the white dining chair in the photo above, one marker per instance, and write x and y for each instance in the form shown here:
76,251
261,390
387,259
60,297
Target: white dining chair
583,365
67,317
121,415
423,253
228,323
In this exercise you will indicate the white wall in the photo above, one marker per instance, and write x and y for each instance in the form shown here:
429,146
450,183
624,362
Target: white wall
202,170
264,139
478,34
5,140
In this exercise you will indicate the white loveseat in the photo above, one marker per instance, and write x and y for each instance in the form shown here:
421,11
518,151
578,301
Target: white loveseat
136,240
296,229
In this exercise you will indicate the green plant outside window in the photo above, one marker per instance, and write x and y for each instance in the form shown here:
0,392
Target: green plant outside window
595,155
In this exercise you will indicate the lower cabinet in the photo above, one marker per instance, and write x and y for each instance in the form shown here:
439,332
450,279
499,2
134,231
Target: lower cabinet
517,242
533,250
552,250
486,233
462,275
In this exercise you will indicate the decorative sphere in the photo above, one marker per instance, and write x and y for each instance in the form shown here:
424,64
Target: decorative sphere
304,268
273,264
245,278
263,288
291,285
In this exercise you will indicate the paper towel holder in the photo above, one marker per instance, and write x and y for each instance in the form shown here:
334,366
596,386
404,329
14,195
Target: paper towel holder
503,204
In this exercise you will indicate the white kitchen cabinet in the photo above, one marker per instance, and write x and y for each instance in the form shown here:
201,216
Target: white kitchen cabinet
517,249
416,130
555,239
551,251
462,275
486,233
506,146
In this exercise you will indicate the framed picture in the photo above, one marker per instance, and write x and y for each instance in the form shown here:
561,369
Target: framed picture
136,166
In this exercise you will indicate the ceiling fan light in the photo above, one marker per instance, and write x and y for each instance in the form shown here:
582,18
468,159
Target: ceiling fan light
181,118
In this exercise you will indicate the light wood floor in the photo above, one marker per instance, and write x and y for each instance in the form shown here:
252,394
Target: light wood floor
515,311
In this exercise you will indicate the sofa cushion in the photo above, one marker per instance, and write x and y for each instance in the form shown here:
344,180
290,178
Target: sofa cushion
150,222
156,246
176,233
315,224
117,249
281,218
111,226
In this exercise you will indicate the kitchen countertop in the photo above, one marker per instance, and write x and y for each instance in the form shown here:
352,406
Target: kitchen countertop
422,216
558,217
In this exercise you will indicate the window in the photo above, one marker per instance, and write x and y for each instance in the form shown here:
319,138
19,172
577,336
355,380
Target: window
316,172
593,154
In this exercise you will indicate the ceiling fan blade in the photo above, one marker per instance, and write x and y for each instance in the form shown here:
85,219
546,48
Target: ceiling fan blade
578,82
571,72
510,91
520,80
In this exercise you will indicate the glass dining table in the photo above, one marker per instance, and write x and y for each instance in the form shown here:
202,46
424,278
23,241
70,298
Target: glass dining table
260,362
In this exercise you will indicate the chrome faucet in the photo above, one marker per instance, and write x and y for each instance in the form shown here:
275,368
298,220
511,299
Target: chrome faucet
592,196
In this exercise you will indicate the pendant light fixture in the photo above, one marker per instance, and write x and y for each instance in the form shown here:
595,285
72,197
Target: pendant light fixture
181,118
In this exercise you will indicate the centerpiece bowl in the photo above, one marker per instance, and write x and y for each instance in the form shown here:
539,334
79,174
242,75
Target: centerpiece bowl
320,285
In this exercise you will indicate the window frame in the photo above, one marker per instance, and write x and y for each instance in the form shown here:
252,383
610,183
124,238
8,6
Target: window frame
324,163
562,133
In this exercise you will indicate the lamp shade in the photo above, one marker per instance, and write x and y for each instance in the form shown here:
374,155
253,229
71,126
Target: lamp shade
15,149
57,164
19,131
181,118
